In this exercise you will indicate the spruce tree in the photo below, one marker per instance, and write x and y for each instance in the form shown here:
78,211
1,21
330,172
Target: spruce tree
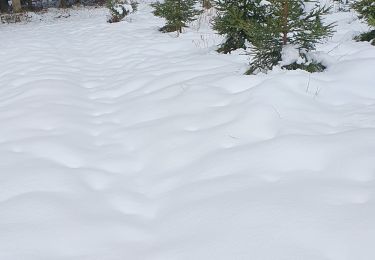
4,6
366,9
288,34
233,21
118,9
178,13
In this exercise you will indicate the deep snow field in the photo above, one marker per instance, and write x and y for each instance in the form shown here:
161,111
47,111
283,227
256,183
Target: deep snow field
119,142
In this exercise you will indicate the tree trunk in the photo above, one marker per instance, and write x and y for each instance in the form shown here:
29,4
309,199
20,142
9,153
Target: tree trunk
179,27
62,4
206,4
16,6
285,21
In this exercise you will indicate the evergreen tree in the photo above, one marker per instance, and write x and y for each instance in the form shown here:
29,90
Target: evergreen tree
233,21
288,34
4,6
366,9
118,9
178,13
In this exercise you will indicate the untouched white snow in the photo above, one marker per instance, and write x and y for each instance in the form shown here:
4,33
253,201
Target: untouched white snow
120,142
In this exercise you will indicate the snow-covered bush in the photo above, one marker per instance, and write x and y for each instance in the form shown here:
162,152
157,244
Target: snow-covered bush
11,18
119,9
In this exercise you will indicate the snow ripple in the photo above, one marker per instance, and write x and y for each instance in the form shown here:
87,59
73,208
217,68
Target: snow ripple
119,142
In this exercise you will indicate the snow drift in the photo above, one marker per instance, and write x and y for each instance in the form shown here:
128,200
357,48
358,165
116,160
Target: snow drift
119,142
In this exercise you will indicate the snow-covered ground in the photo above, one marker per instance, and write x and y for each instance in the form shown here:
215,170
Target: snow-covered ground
120,142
